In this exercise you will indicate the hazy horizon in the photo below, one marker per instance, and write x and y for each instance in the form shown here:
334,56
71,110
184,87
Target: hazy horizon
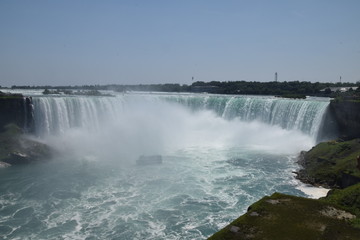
156,42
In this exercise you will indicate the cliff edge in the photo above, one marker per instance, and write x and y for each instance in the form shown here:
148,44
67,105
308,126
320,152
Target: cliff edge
347,117
16,118
16,109
332,164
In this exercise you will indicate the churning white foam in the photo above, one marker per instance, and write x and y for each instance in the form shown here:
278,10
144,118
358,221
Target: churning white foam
162,128
313,192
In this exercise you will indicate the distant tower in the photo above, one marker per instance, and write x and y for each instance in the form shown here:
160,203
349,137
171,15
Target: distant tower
340,79
276,76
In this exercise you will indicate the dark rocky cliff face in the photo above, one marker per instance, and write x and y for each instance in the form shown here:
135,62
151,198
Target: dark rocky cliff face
16,118
17,109
329,129
347,116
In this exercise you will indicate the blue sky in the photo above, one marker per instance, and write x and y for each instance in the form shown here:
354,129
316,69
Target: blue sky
167,41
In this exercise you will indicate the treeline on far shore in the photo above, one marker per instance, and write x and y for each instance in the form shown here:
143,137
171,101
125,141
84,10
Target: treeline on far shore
226,87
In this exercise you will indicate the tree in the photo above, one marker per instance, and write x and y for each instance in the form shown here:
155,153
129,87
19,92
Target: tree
327,91
46,91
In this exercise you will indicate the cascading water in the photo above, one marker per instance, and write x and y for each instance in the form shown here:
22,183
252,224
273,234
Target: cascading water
220,154
54,114
301,115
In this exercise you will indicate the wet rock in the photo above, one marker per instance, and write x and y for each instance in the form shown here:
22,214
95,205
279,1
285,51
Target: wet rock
4,165
17,148
16,158
16,109
234,229
254,214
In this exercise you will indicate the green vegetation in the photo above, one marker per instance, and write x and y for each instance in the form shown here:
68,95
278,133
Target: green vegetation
225,87
47,92
329,163
348,198
282,216
345,97
78,92
7,95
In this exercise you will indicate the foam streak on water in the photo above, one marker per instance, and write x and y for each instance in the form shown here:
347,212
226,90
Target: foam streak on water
220,154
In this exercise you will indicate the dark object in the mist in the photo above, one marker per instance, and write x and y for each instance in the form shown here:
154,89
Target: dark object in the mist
149,160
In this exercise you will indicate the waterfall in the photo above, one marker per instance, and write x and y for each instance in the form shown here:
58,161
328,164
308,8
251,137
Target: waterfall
56,114
305,115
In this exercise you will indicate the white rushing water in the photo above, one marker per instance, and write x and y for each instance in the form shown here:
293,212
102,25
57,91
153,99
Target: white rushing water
220,154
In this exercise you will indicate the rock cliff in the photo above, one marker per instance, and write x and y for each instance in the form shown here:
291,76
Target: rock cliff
17,148
331,164
347,115
16,109
16,118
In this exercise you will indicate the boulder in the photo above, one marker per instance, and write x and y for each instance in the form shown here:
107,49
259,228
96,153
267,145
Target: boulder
17,148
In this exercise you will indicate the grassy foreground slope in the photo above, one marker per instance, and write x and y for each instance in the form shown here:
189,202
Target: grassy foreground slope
349,199
281,216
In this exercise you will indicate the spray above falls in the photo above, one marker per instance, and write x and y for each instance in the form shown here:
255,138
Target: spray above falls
291,114
129,125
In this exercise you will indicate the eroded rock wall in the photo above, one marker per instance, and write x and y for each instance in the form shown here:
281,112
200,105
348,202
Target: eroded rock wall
17,109
347,116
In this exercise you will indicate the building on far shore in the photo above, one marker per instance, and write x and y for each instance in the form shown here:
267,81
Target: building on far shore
204,89
339,89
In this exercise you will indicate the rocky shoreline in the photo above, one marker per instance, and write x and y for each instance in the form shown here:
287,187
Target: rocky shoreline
332,164
17,149
281,216
336,216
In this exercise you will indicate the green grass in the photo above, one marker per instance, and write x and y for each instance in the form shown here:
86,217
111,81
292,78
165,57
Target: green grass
348,198
7,96
327,161
289,217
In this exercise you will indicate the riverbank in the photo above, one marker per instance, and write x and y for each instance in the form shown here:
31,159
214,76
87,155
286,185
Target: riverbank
16,148
281,216
330,164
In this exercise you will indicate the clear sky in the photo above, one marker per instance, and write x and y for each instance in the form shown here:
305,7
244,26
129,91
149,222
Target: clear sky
74,42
